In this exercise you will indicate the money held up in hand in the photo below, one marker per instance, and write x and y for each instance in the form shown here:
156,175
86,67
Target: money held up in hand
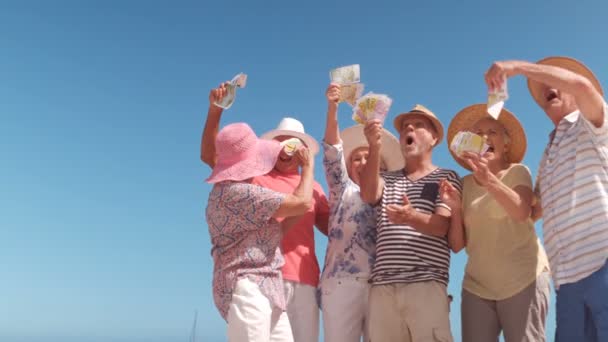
346,75
238,81
349,93
371,106
496,100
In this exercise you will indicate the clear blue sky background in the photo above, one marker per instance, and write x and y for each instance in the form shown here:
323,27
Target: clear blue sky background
102,231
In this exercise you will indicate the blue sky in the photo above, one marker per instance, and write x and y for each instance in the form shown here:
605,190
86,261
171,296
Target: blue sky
102,103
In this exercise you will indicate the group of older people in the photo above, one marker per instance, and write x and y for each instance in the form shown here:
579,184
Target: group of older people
393,218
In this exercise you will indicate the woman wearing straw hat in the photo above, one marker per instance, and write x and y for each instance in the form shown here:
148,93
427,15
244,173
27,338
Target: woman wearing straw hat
351,248
506,282
247,281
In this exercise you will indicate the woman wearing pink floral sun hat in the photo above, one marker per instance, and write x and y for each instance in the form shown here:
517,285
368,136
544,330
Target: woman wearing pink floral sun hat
247,280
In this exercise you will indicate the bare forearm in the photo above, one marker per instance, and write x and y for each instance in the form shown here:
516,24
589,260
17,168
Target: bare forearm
512,202
456,233
212,125
552,76
430,224
370,178
588,99
332,130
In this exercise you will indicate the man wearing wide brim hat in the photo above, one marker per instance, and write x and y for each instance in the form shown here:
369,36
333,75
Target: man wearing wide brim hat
301,269
572,180
408,299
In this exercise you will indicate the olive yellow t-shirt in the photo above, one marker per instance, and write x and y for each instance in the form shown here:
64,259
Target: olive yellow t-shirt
505,256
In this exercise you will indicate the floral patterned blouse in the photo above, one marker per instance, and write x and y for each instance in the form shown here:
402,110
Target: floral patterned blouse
245,241
351,249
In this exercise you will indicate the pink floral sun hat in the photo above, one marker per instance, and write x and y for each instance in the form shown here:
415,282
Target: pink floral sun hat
241,155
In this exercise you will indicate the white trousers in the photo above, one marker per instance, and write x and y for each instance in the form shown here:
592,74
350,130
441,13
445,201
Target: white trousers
345,309
251,317
303,311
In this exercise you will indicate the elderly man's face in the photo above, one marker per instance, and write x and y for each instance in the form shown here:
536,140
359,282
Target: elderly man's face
417,135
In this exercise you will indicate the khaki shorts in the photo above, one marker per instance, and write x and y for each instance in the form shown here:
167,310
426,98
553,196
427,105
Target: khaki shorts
417,312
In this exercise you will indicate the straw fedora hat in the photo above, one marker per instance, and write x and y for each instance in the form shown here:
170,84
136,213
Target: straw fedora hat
568,64
294,128
467,117
353,138
421,110
241,155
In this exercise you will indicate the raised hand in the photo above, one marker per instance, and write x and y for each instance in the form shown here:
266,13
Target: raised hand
373,133
217,94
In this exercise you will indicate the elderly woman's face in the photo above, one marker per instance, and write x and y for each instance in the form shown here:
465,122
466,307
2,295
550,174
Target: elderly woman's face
357,161
496,137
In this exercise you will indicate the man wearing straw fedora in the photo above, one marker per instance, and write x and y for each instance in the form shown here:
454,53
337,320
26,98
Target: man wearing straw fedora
408,299
301,269
573,180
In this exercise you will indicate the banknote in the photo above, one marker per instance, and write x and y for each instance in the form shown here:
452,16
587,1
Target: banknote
496,100
349,93
468,142
371,106
346,75
290,146
238,81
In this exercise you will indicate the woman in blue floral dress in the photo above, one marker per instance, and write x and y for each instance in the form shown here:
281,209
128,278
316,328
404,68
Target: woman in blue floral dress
352,226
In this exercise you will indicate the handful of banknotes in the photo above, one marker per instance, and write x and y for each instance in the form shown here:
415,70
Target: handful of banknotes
290,146
349,78
496,100
468,142
238,81
371,106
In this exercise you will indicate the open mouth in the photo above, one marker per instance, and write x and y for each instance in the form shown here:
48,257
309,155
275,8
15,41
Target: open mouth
409,140
490,149
551,95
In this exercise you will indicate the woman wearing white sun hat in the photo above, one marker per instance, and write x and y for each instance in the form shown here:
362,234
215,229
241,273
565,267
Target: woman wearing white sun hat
352,226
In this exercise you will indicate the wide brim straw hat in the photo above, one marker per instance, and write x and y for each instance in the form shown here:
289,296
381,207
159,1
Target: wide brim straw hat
467,117
293,128
242,155
353,138
536,88
421,110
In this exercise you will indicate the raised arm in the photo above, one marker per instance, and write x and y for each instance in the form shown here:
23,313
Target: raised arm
332,130
212,125
371,183
588,99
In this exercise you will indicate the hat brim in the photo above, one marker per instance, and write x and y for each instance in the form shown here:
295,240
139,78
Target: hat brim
536,88
353,138
436,123
310,142
259,163
467,117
